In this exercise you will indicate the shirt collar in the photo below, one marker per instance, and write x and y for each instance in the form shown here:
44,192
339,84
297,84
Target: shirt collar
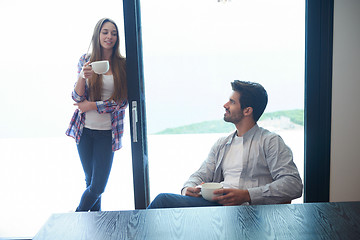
247,135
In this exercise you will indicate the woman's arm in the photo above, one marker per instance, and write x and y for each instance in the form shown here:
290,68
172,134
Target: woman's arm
109,106
80,86
86,106
84,71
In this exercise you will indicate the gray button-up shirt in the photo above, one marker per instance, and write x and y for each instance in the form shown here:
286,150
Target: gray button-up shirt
269,173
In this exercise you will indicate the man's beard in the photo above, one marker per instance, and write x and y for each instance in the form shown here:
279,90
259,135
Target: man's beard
233,120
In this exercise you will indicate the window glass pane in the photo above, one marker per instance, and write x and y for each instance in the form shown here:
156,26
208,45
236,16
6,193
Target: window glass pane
192,51
40,171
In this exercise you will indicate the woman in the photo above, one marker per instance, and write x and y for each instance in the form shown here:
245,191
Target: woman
97,124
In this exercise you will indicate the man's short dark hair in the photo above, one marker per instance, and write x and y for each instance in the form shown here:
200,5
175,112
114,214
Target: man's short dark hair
251,95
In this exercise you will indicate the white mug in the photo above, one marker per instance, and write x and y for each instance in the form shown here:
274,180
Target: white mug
207,190
100,67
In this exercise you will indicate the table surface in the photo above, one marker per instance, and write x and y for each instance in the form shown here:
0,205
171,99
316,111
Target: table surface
283,221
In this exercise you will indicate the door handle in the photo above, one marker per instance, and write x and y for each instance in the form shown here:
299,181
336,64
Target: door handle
134,120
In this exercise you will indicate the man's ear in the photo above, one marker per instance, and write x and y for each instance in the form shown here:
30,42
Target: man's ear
248,111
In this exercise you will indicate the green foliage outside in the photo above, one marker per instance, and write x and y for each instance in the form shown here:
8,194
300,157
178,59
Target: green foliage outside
296,116
220,126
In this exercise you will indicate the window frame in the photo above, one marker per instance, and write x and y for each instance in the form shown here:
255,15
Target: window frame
318,94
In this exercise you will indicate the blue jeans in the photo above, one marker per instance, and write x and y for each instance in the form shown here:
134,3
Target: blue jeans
170,200
96,157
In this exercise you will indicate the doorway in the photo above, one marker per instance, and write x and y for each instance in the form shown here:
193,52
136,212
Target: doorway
191,53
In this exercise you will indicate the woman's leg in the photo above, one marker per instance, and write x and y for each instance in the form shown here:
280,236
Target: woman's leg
85,147
102,158
170,200
97,205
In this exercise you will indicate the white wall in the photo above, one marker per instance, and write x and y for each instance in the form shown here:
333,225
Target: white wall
345,131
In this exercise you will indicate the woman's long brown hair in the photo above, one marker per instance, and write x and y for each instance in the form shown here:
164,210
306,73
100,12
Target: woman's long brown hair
117,64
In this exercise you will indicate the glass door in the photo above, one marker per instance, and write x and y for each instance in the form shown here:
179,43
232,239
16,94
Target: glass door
136,97
192,50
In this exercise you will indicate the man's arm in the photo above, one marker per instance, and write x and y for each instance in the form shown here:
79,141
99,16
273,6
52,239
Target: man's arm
287,184
207,169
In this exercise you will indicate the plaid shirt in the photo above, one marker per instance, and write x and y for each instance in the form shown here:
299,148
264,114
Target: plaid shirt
116,109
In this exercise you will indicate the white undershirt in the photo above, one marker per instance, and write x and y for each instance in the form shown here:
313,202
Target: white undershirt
95,120
232,164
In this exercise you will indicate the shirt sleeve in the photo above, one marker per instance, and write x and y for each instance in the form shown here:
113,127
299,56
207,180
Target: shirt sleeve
75,96
109,106
83,59
207,171
287,184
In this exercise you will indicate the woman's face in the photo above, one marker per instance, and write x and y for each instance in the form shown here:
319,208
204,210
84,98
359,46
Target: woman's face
108,35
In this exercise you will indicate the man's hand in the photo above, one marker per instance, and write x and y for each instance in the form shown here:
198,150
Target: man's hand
231,196
192,191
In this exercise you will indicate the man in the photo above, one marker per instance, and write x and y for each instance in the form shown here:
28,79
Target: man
253,164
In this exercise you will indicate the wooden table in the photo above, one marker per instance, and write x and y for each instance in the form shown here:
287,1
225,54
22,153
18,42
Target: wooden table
284,221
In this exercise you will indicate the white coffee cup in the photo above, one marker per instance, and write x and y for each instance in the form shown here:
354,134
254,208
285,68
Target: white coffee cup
207,190
100,67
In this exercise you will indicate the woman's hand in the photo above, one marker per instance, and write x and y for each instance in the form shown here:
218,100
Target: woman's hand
87,70
86,106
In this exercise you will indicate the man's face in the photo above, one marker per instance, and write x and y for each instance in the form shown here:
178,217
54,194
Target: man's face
233,112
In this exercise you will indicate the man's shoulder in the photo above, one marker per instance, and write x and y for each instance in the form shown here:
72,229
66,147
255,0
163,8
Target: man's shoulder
265,137
225,139
263,133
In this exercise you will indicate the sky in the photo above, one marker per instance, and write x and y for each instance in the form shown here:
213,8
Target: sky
192,50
